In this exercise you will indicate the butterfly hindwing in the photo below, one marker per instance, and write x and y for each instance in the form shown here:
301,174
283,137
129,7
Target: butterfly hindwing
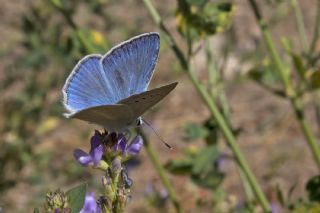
110,116
129,66
86,87
140,103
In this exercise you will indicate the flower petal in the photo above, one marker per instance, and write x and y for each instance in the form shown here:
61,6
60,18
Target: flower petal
96,140
82,157
121,144
90,204
96,154
135,146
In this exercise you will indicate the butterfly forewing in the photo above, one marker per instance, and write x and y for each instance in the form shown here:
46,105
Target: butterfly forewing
129,66
142,102
85,87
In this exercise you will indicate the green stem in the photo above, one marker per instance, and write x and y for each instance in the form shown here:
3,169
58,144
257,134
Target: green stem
105,210
161,172
214,80
230,140
290,92
296,103
213,109
301,25
169,39
246,187
82,39
213,75
316,31
247,190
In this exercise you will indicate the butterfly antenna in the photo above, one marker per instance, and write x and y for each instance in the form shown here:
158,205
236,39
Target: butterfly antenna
155,132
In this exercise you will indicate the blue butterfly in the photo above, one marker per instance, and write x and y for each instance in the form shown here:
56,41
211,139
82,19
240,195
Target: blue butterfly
110,90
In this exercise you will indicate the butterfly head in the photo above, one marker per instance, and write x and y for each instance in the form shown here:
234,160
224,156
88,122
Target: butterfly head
139,121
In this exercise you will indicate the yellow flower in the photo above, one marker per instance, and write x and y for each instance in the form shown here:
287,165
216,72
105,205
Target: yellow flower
47,125
97,37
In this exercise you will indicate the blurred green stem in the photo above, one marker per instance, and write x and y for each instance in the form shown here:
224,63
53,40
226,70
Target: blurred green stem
82,39
247,190
161,172
290,92
316,30
300,24
213,75
230,138
212,107
214,81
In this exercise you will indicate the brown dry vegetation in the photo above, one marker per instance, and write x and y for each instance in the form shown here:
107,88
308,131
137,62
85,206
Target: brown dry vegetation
270,138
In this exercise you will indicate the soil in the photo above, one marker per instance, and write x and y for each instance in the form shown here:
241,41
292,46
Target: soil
270,137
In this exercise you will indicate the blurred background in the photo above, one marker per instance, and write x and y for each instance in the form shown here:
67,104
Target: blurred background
41,41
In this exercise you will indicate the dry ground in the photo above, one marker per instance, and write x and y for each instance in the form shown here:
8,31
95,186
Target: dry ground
271,139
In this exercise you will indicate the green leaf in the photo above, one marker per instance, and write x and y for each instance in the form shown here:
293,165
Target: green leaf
179,167
208,180
296,59
36,210
57,3
204,161
315,80
76,197
291,190
298,63
313,188
93,41
225,7
194,131
280,196
287,44
213,130
197,2
199,18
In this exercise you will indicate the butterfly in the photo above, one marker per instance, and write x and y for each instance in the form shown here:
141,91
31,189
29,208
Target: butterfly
110,90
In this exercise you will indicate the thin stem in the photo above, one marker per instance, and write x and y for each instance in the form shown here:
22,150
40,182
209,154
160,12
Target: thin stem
230,140
67,16
169,39
213,109
316,31
272,90
293,96
282,70
213,75
161,172
105,210
301,25
296,102
246,187
215,78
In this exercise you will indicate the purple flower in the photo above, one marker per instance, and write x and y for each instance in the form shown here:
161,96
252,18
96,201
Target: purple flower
121,144
95,154
275,208
134,147
220,162
128,149
90,204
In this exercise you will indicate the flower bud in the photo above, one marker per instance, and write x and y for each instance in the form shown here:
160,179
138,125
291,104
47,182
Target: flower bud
56,201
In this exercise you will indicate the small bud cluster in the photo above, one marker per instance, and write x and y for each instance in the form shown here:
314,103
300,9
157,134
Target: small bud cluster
57,202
